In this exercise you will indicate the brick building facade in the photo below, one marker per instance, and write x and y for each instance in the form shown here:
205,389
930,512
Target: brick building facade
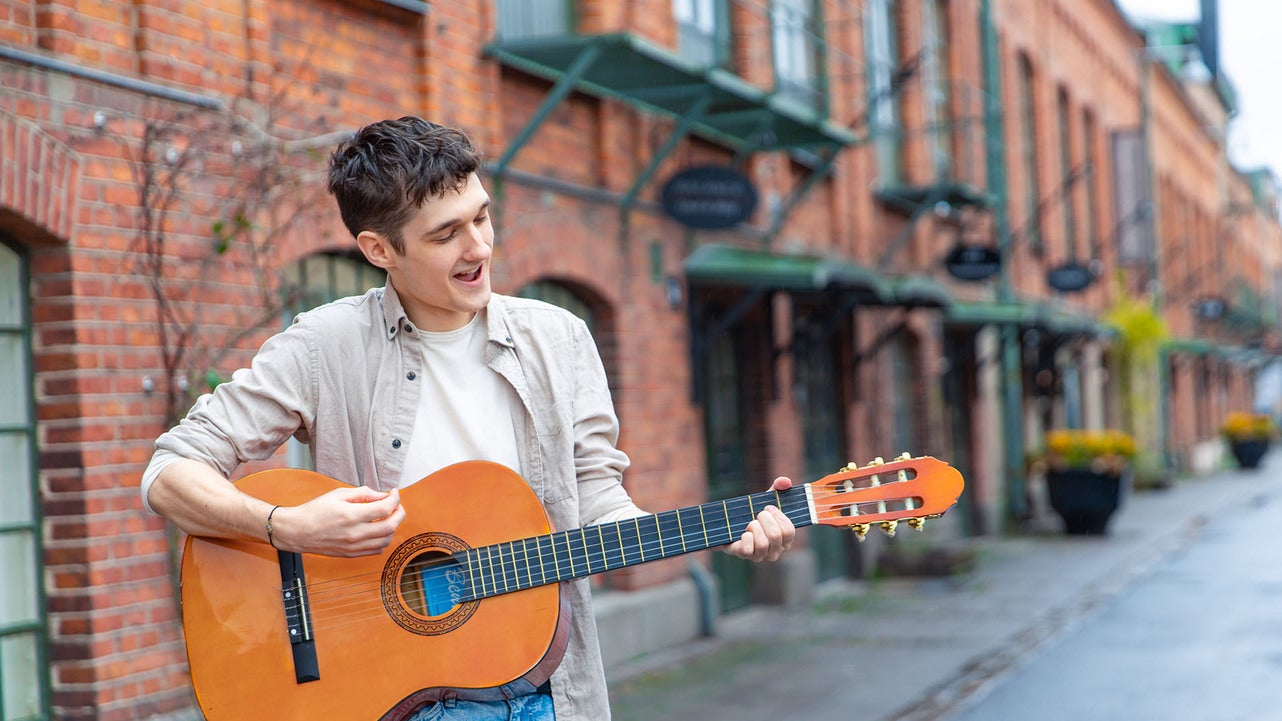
160,217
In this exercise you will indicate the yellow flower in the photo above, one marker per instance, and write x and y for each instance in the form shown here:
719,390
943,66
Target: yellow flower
1241,426
1101,450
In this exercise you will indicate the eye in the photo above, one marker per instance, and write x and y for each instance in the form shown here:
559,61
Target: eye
482,218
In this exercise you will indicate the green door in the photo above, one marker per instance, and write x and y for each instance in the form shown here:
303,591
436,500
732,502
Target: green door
725,434
823,428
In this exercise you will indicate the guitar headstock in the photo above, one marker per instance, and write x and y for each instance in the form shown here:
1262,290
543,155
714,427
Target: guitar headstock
884,493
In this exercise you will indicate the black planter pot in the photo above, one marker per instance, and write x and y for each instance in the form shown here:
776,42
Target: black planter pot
1249,453
1084,498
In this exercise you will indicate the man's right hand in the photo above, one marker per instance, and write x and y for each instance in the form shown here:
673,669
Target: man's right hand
346,522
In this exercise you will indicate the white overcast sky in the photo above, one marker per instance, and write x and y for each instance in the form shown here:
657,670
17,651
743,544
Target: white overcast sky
1251,57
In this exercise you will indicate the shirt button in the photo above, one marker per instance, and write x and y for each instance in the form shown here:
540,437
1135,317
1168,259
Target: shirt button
396,443
408,328
410,375
392,329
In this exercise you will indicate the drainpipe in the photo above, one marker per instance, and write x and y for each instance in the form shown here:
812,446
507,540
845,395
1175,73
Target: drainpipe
995,169
706,585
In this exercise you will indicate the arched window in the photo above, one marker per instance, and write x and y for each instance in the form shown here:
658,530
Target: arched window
23,685
561,295
316,280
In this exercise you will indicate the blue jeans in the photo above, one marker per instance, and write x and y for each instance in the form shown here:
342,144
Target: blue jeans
534,707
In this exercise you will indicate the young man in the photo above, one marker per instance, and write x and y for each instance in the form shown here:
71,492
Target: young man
429,370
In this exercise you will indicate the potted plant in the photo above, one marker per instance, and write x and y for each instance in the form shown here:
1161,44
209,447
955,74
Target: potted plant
1085,475
1248,436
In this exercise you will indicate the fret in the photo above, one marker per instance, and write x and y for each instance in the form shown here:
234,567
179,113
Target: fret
618,531
704,525
471,574
538,547
587,557
681,531
503,569
640,543
725,509
489,560
569,556
605,555
658,532
525,555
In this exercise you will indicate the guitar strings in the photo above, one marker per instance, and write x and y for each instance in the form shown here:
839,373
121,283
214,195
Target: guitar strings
350,597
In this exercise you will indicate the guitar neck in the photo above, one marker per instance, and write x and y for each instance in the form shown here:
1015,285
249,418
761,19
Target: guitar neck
541,560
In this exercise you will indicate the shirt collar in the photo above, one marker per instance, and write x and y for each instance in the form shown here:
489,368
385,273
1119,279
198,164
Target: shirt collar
394,318
395,321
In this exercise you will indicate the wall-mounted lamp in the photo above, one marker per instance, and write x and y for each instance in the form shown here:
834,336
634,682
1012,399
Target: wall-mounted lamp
673,291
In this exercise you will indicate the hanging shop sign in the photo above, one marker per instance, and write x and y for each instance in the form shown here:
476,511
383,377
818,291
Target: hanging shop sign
1070,277
1210,308
709,197
972,262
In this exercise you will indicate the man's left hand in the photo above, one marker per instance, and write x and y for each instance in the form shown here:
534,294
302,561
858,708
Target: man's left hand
769,534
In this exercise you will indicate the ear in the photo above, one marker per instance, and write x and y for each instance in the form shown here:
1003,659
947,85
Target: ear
378,251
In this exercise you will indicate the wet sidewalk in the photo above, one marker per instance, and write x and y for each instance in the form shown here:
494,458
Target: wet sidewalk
914,650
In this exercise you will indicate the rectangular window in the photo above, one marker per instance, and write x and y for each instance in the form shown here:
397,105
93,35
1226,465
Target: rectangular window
1032,228
936,70
1090,178
519,19
883,94
798,49
703,32
1069,174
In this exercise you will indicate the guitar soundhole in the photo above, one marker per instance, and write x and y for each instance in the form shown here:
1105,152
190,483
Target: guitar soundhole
432,583
422,585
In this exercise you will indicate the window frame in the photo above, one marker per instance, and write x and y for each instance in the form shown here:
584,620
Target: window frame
881,48
37,627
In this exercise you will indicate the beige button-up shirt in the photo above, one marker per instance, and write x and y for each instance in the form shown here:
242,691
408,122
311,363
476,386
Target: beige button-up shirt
342,380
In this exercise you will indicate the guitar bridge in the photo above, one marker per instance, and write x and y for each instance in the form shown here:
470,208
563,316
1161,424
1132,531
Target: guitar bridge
298,618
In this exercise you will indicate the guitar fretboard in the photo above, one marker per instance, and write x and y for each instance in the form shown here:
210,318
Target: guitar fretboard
541,560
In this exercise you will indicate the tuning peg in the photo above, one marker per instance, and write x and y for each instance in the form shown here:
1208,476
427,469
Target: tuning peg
917,523
852,466
888,527
905,456
860,530
878,461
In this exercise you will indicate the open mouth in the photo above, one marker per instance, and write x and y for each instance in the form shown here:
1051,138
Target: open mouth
470,277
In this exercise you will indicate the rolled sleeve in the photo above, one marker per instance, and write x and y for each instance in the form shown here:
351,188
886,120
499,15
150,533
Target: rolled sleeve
251,415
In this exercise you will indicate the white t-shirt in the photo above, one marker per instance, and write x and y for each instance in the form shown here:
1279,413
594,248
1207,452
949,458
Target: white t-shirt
466,409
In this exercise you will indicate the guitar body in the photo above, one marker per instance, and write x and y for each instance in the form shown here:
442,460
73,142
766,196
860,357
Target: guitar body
379,654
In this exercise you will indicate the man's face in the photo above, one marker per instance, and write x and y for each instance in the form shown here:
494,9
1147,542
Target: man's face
443,278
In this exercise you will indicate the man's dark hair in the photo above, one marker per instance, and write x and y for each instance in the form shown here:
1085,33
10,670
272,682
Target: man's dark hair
387,170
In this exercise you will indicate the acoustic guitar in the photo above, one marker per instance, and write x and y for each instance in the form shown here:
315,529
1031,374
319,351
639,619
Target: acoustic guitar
465,602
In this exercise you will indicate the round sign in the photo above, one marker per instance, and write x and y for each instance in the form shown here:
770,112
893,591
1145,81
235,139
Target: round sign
972,262
1211,308
709,197
1070,277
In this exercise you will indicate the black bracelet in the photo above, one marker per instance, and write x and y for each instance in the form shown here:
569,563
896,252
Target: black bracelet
269,526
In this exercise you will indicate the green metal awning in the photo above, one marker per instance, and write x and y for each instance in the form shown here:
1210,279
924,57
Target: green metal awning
719,105
716,264
954,193
920,291
1027,315
1190,346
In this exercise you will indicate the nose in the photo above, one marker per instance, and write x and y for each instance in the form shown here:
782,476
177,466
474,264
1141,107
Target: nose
481,244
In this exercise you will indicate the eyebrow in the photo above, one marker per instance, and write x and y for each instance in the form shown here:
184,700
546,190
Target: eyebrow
455,221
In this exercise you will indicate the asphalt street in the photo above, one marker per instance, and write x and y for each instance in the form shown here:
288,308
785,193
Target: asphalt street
995,642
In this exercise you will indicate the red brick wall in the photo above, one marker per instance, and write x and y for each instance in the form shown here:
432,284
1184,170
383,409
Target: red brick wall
68,191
